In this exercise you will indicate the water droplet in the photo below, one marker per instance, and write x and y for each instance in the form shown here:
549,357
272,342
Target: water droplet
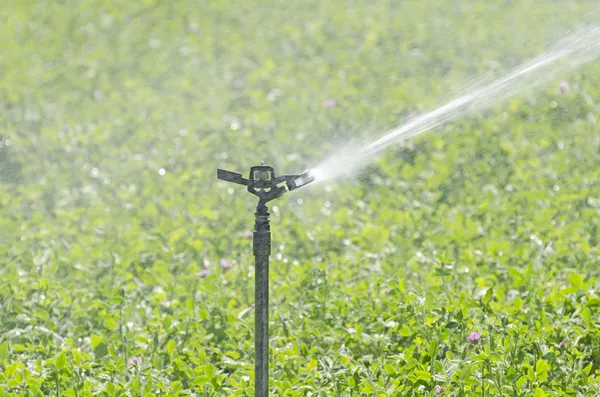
230,190
43,297
183,132
224,155
299,201
162,171
234,126
327,204
553,104
556,187
7,142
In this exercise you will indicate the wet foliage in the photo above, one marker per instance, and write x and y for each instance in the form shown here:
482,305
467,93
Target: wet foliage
463,263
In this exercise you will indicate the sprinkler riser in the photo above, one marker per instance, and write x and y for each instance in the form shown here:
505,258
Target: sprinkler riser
262,250
262,232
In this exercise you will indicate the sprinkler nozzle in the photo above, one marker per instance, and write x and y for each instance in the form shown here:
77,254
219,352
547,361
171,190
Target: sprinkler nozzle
263,183
303,179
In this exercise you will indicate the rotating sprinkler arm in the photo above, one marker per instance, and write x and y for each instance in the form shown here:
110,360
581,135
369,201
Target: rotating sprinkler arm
232,177
263,183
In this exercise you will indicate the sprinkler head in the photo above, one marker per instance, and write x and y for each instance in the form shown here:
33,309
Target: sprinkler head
263,183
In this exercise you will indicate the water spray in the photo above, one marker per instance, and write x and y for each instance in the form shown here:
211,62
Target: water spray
576,49
263,183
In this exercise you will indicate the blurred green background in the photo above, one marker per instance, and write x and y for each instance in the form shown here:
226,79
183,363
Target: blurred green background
114,116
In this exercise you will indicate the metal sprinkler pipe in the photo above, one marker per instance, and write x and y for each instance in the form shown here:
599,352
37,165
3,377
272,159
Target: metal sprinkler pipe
263,183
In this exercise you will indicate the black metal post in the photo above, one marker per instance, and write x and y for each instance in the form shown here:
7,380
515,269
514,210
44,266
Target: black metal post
262,250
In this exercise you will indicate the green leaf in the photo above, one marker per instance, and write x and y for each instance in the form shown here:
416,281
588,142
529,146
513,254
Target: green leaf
42,314
171,347
18,347
201,380
480,357
100,350
176,386
95,340
576,280
539,393
586,315
209,371
70,393
203,314
366,386
61,361
541,370
34,382
404,331
422,374
4,351
488,296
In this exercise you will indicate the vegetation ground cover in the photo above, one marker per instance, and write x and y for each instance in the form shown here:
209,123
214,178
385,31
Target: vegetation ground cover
464,263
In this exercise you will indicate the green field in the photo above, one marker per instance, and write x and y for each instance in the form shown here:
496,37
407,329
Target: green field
125,269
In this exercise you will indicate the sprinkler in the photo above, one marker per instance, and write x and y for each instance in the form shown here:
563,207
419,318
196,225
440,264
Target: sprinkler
263,183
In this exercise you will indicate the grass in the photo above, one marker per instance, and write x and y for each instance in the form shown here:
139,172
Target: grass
490,225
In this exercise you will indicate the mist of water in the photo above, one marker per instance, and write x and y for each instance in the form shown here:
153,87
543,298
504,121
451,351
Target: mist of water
574,50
